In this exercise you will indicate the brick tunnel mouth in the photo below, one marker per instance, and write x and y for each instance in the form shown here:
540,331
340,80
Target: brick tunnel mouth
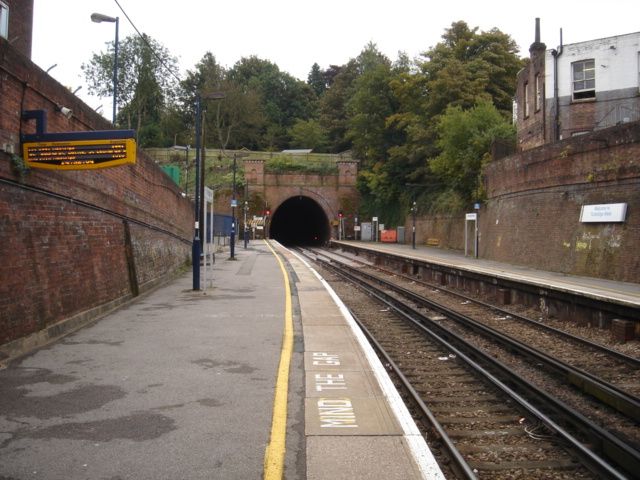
300,221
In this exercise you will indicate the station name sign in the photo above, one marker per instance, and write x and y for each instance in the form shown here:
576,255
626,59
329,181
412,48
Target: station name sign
79,150
608,212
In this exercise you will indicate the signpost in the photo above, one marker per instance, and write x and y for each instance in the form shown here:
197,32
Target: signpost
471,217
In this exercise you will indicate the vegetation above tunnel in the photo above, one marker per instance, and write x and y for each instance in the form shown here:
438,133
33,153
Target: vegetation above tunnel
421,128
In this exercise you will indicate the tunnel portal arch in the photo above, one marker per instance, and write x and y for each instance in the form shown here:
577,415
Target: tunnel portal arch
300,220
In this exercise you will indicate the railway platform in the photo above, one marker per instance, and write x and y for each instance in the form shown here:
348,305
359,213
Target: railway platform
623,293
262,375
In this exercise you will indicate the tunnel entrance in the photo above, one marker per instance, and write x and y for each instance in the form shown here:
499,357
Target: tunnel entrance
300,221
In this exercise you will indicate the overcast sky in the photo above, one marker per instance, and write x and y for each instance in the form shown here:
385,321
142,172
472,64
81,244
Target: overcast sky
296,33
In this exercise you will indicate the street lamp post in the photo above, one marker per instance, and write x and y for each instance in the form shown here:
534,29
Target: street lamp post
414,210
196,247
233,210
234,203
99,18
246,208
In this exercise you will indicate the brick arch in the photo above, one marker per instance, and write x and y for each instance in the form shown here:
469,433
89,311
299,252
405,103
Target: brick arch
331,191
330,211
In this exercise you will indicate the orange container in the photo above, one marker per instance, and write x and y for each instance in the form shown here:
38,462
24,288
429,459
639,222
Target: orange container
389,236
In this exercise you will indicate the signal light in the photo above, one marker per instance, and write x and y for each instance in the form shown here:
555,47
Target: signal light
340,215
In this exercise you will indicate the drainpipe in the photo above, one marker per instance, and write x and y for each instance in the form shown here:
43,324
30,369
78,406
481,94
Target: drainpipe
556,98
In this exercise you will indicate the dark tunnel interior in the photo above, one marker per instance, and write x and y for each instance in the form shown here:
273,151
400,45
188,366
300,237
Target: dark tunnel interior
299,221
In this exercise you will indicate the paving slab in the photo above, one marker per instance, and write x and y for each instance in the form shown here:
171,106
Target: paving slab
353,416
340,458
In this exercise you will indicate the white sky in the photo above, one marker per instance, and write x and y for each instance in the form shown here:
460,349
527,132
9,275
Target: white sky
296,33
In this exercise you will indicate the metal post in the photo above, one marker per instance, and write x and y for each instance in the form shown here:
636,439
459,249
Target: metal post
195,246
233,211
115,73
246,208
414,208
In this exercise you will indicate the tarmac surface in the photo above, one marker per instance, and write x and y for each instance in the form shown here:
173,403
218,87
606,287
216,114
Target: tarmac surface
177,385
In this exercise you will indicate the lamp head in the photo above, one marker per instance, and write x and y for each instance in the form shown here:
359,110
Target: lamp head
99,18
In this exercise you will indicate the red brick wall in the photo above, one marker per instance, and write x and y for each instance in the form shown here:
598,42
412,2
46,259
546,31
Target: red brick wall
532,215
63,235
20,24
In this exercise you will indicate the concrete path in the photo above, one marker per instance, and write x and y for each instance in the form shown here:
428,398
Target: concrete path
178,385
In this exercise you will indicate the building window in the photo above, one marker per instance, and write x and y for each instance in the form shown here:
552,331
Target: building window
4,20
538,99
526,100
584,79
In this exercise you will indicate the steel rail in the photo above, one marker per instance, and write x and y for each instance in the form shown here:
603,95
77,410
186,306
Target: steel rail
584,341
611,446
607,393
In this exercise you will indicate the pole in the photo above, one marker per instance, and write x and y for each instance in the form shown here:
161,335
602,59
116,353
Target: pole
233,211
246,207
195,246
413,232
115,73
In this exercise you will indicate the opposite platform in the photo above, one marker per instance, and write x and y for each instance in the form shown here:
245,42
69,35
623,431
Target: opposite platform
624,293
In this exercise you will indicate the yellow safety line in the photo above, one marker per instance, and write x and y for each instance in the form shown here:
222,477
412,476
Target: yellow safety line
274,454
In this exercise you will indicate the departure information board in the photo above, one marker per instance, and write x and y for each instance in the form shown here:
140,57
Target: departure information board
80,154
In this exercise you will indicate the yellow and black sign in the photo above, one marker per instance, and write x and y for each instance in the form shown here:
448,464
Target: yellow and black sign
79,154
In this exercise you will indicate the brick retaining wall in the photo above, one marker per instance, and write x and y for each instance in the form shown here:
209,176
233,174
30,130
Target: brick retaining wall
73,241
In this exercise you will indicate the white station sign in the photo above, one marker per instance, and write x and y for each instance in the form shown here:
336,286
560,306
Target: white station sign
608,212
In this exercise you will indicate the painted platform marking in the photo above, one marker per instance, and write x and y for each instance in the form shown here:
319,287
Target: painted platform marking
330,382
333,412
325,359
336,413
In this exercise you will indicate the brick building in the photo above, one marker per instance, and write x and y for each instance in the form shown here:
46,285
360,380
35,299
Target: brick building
75,243
16,23
577,88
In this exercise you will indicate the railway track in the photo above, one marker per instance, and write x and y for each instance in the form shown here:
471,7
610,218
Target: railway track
495,421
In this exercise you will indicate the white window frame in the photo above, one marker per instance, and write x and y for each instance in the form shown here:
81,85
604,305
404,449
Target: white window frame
4,20
526,100
583,79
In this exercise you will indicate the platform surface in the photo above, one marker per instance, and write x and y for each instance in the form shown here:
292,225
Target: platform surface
625,293
180,385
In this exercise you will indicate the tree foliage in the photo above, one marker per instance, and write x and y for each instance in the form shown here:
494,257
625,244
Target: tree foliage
464,140
146,82
421,128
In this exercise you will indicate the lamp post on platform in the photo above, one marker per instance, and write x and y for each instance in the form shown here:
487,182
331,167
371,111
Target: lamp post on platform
414,210
196,245
234,204
246,209
99,18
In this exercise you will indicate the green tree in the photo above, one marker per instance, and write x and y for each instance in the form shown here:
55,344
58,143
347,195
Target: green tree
233,122
284,98
308,134
146,82
465,68
333,105
464,139
316,80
